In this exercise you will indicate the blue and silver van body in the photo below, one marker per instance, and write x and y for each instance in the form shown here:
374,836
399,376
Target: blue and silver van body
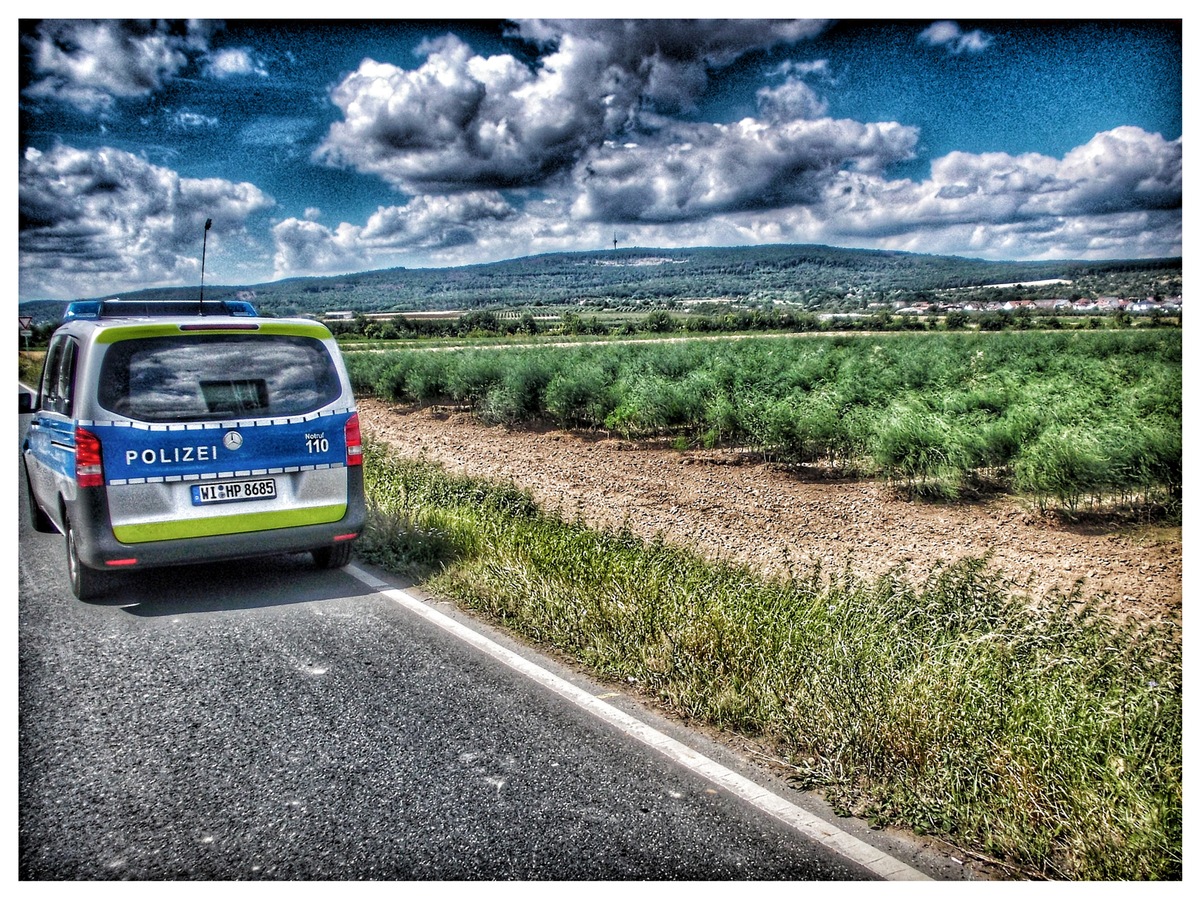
161,439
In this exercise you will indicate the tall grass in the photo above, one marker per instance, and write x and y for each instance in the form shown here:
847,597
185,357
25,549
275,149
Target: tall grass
1047,735
1074,420
29,369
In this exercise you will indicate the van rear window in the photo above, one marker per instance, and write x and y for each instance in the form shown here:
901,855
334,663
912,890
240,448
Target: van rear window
204,377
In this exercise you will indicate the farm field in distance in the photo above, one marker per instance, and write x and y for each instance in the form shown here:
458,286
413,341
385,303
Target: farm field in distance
780,451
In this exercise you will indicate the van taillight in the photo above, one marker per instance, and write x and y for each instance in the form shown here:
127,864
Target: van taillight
89,471
353,441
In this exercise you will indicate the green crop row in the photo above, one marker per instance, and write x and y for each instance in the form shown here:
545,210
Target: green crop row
1046,735
1070,419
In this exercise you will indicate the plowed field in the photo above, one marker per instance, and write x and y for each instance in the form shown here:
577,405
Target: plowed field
733,506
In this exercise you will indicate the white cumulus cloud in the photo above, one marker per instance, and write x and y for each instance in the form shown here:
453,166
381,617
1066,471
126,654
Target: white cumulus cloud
433,227
1122,189
90,64
793,99
461,121
234,61
93,221
304,247
953,38
820,181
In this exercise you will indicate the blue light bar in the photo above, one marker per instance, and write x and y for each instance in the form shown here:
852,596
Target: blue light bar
96,309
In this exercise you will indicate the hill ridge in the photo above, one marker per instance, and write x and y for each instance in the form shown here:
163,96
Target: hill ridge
811,275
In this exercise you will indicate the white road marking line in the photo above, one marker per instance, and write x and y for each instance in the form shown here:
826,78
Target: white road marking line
814,828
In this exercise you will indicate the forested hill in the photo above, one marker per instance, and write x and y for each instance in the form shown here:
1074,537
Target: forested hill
815,276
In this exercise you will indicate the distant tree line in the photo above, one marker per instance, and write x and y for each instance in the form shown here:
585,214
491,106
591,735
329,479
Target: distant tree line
485,323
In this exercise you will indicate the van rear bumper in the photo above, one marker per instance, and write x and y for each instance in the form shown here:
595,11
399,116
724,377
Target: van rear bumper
99,548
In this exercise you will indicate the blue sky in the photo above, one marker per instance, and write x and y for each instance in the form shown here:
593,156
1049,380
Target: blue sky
342,145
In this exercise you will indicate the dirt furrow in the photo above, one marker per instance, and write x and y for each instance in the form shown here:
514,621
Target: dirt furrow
728,506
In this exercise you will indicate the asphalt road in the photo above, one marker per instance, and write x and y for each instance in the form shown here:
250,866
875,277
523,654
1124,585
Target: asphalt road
267,720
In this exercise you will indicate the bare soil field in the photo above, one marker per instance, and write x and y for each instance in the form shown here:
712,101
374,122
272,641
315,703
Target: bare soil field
733,506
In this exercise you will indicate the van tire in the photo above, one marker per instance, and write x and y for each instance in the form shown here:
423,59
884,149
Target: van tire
86,582
336,556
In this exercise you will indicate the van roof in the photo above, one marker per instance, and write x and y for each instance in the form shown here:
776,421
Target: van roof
93,310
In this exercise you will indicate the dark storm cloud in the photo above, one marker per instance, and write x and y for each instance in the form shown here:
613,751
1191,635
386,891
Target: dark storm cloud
461,121
699,170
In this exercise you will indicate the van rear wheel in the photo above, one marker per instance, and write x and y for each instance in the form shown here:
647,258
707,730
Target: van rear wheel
86,583
336,556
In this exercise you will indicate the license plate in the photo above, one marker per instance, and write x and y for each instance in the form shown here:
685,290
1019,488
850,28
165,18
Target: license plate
232,491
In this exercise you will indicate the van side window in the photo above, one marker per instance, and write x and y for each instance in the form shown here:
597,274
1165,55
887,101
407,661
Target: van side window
50,371
58,377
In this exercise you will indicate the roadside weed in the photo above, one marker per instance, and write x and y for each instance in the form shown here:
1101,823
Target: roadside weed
1045,733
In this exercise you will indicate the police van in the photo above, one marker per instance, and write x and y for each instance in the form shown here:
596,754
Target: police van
167,433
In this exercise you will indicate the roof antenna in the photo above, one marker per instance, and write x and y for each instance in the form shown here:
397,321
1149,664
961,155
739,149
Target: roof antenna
203,253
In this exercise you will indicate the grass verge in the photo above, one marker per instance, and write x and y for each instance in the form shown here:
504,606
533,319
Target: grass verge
1048,737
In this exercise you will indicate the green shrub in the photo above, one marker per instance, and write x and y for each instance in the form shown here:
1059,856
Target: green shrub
427,378
580,395
1064,464
921,450
474,375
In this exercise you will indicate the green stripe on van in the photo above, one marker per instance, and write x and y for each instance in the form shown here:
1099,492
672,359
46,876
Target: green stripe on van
114,333
228,524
